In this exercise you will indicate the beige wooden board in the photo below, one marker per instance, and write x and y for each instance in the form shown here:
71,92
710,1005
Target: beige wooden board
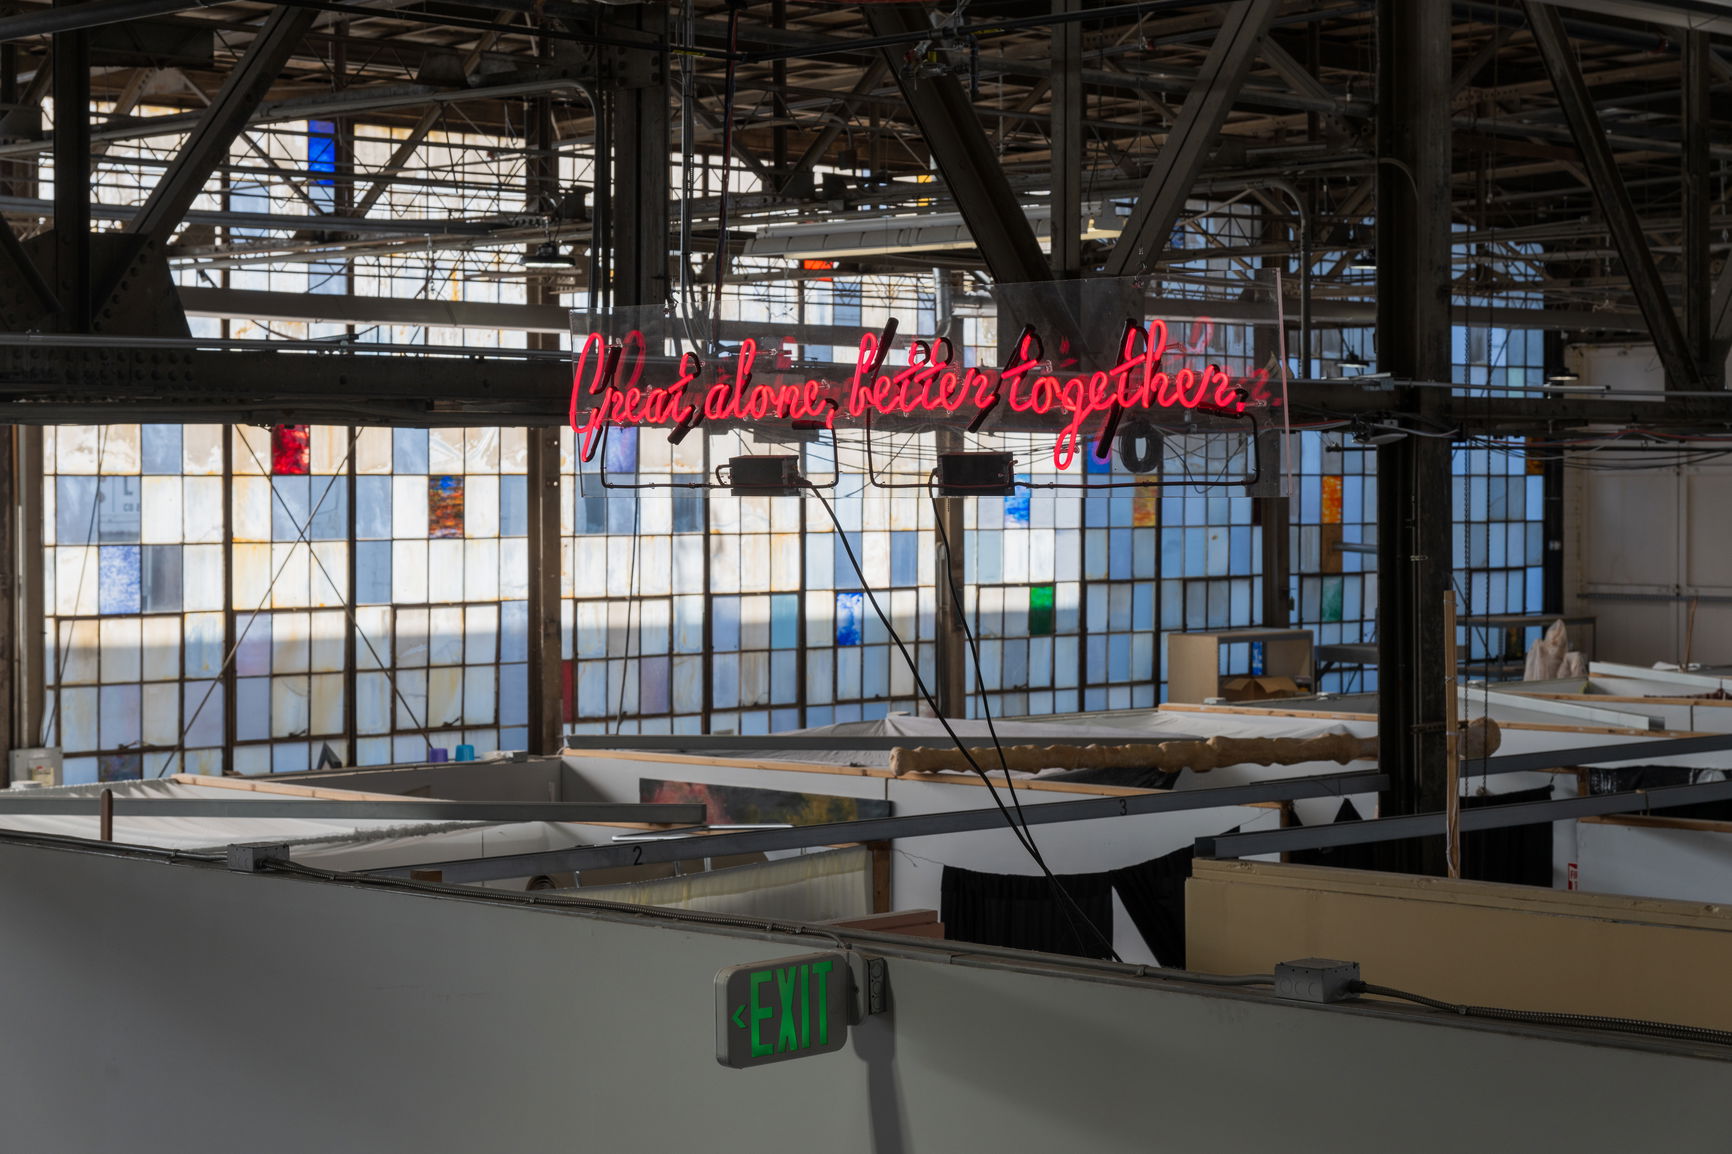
1511,946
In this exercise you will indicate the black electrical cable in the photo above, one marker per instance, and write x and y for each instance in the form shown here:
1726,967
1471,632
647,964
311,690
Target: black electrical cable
1549,1018
979,676
1068,903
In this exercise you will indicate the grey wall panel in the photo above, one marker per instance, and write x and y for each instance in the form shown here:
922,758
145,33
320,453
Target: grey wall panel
159,1007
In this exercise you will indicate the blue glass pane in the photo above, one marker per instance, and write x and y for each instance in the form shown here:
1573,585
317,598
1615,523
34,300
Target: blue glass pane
118,579
160,584
290,502
784,620
119,509
1016,505
373,507
409,450
849,607
514,631
75,510
622,512
160,449
904,558
373,572
725,624
620,455
513,506
331,518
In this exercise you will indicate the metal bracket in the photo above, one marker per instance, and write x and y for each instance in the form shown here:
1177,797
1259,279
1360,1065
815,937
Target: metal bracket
256,857
870,977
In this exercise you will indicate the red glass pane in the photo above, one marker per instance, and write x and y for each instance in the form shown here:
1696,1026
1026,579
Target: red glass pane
291,449
444,506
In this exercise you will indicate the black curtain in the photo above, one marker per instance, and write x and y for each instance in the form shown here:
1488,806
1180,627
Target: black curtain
1520,855
1024,913
1154,895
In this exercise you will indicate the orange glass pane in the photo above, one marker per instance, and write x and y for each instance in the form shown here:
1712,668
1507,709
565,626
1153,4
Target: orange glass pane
1332,500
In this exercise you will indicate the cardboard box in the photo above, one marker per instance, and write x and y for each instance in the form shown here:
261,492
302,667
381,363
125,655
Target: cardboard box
1258,688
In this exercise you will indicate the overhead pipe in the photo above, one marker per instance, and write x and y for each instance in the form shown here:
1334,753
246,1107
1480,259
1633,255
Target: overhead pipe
356,100
92,14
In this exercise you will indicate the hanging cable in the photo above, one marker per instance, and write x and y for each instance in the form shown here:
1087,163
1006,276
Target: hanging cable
1068,903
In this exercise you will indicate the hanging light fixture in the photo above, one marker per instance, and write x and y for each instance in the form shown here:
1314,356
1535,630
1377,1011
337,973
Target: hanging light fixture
547,255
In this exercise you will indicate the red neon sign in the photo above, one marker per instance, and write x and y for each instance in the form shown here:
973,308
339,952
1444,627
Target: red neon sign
1152,373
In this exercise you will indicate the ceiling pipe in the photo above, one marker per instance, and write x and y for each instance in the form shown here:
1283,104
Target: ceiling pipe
355,102
92,14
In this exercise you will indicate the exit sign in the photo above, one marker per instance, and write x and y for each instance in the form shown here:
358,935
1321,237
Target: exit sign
787,1008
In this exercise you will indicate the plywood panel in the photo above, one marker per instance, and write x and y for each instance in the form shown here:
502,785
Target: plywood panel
1472,942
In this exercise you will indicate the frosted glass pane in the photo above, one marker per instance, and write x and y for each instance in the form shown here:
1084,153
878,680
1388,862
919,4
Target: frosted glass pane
201,448
252,708
80,653
291,569
289,706
411,698
290,635
121,722
329,575
481,507
513,698
445,570
480,569
590,629
480,634
513,450
688,696
373,703
373,637
514,631
160,648
252,449
412,644
204,722
161,708
688,563
253,506
330,449
409,507
120,638
444,697
328,633
409,572
201,575
201,506
160,519
373,450
513,568
445,636
445,450
479,691
327,703
75,580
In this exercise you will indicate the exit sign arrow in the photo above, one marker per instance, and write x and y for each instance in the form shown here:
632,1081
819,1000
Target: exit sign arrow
782,1009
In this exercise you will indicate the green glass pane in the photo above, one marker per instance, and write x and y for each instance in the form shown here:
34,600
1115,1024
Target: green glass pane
1332,598
1040,610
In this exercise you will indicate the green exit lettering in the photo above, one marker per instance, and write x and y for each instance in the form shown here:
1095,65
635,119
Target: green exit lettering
801,994
786,1008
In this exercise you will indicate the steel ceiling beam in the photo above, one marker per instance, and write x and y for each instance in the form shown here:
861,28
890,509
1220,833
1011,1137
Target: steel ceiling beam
836,121
884,829
409,809
1611,195
234,104
1387,829
1193,137
964,155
